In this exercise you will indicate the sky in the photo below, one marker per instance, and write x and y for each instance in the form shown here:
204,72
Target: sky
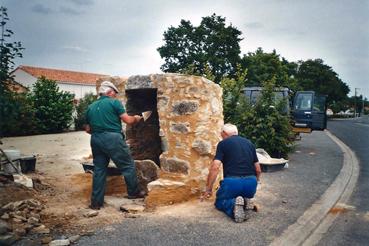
120,37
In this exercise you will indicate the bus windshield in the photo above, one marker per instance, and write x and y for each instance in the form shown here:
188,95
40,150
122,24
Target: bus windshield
303,102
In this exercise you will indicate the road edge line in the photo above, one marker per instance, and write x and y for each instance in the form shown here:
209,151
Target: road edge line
316,220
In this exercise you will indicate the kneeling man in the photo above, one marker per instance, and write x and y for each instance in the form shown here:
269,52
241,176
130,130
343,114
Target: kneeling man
241,171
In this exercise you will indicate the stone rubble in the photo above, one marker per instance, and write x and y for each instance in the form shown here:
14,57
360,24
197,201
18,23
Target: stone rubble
132,208
20,218
59,242
91,213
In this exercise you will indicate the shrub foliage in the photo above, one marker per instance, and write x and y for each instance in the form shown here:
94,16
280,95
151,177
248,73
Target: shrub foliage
79,119
53,108
264,123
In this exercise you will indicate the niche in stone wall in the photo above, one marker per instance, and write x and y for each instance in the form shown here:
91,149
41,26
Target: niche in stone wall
143,138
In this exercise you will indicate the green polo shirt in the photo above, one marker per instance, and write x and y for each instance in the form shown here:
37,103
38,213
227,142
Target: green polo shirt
103,115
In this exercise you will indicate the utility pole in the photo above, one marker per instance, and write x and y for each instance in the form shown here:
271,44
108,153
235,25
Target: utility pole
362,108
355,102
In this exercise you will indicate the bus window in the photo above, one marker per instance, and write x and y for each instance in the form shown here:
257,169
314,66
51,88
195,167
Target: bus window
303,102
319,103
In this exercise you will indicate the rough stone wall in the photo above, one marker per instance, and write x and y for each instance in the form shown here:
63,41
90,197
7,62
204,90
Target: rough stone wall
190,114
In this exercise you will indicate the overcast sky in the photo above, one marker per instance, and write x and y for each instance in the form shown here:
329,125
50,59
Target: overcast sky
120,37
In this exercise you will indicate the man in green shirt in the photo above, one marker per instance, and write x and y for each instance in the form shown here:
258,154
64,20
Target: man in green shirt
104,122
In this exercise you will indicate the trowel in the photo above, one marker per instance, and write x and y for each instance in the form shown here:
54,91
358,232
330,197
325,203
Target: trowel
146,115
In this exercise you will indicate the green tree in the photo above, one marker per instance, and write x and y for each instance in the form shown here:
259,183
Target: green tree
212,44
316,76
79,119
263,66
53,108
8,52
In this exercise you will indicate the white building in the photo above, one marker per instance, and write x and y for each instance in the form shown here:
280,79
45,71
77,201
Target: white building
78,83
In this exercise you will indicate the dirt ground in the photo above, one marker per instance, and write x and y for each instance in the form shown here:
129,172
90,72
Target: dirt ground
61,183
64,188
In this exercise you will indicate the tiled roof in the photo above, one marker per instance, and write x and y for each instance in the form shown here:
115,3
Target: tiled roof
63,76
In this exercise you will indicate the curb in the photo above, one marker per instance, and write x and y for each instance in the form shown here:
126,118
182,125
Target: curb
316,220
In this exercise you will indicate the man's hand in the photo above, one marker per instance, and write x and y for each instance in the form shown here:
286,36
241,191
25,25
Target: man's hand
87,128
206,195
130,120
138,118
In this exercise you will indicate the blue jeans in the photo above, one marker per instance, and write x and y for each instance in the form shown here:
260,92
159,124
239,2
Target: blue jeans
232,187
106,146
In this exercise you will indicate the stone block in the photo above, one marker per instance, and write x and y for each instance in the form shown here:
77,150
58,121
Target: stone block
139,82
185,107
91,213
147,170
41,230
180,127
4,227
202,147
175,165
46,240
117,202
216,106
8,239
74,238
132,208
162,103
60,242
167,192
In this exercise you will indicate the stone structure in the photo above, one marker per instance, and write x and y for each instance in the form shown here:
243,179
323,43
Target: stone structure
180,136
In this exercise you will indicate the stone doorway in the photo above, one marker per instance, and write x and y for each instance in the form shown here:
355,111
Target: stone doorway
143,138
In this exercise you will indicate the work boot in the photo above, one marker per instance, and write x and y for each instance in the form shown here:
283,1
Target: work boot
94,207
238,210
140,194
250,205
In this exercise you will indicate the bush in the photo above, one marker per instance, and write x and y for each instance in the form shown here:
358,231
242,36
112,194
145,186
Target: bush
264,124
79,119
21,116
53,108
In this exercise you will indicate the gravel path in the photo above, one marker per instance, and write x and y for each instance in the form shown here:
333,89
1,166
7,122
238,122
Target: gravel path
283,196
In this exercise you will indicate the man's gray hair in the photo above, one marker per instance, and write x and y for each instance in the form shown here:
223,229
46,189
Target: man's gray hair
230,129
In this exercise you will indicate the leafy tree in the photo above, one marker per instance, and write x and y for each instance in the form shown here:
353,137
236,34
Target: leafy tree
317,76
8,52
212,44
53,108
263,66
79,119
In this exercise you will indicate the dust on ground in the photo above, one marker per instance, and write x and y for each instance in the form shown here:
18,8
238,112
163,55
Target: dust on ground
64,188
60,182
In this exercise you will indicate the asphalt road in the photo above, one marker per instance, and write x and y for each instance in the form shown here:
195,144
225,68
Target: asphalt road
352,226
